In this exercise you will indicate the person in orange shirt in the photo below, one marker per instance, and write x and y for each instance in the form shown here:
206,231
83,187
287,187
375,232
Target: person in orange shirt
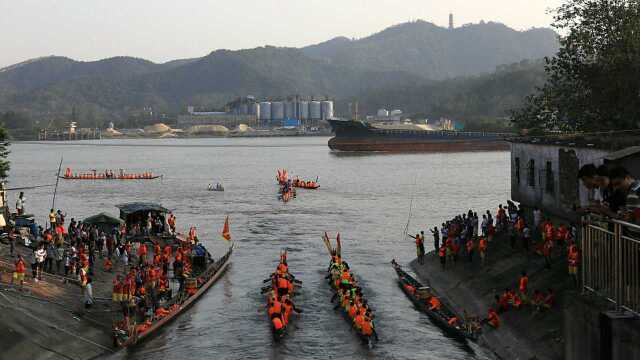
142,253
442,253
18,274
492,319
523,283
470,247
108,265
435,303
482,248
573,260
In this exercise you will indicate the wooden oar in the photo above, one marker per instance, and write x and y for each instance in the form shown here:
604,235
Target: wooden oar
327,243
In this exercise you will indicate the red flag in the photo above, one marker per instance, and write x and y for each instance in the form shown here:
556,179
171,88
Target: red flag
226,233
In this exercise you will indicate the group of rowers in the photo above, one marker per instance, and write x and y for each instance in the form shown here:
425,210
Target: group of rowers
107,174
350,298
139,291
305,184
279,303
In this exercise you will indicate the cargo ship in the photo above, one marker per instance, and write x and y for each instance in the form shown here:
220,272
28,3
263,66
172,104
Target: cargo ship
356,135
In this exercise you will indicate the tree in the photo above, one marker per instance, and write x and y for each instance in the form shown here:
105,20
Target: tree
593,82
4,153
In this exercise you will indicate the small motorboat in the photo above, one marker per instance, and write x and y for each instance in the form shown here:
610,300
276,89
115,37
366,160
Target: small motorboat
217,187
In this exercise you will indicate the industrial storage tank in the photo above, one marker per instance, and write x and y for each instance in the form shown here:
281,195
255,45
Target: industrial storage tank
315,112
244,109
383,113
327,109
290,110
254,109
265,111
303,110
277,110
395,112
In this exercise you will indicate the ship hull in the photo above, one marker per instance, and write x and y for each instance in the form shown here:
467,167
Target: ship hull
359,136
399,145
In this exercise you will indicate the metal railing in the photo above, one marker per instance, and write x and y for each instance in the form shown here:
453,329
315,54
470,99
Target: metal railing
610,264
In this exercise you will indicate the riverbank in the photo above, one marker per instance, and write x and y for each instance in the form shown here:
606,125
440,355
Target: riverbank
47,319
524,333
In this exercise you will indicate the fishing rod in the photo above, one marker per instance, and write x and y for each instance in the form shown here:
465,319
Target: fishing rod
55,191
406,227
30,187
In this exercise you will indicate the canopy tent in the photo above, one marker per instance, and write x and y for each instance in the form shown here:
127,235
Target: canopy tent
138,213
103,218
103,221
135,207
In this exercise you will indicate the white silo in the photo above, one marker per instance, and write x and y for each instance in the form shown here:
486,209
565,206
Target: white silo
383,113
327,110
254,109
303,110
265,110
315,110
290,110
277,110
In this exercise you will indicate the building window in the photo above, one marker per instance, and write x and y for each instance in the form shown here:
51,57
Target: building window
531,173
517,170
549,181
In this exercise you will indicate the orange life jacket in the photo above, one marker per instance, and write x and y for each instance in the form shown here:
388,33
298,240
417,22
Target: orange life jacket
524,281
20,266
277,323
367,329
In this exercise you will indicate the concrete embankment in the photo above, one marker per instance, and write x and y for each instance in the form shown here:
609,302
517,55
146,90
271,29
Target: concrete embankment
524,333
47,319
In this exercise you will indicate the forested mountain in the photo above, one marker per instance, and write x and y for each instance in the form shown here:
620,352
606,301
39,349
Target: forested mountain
437,53
404,59
479,102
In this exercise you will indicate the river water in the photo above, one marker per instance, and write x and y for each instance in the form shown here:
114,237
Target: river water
365,197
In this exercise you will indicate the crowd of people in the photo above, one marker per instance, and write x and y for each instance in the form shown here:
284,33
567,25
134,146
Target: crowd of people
350,298
466,235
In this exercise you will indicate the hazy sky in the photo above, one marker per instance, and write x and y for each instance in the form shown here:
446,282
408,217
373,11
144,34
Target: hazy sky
161,30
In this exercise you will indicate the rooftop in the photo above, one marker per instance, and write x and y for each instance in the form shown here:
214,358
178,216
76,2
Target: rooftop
607,140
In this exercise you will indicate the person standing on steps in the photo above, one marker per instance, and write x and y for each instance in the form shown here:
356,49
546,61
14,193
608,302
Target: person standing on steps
20,203
436,239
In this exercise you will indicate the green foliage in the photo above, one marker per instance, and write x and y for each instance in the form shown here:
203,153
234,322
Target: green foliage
593,80
481,103
437,53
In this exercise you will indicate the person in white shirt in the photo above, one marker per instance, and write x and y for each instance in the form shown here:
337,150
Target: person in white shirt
20,204
88,294
40,256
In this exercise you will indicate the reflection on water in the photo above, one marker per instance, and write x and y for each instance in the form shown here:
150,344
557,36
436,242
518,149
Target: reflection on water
366,198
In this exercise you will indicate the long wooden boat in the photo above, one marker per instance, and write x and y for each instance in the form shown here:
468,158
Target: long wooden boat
311,185
279,334
103,177
367,340
205,280
419,295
